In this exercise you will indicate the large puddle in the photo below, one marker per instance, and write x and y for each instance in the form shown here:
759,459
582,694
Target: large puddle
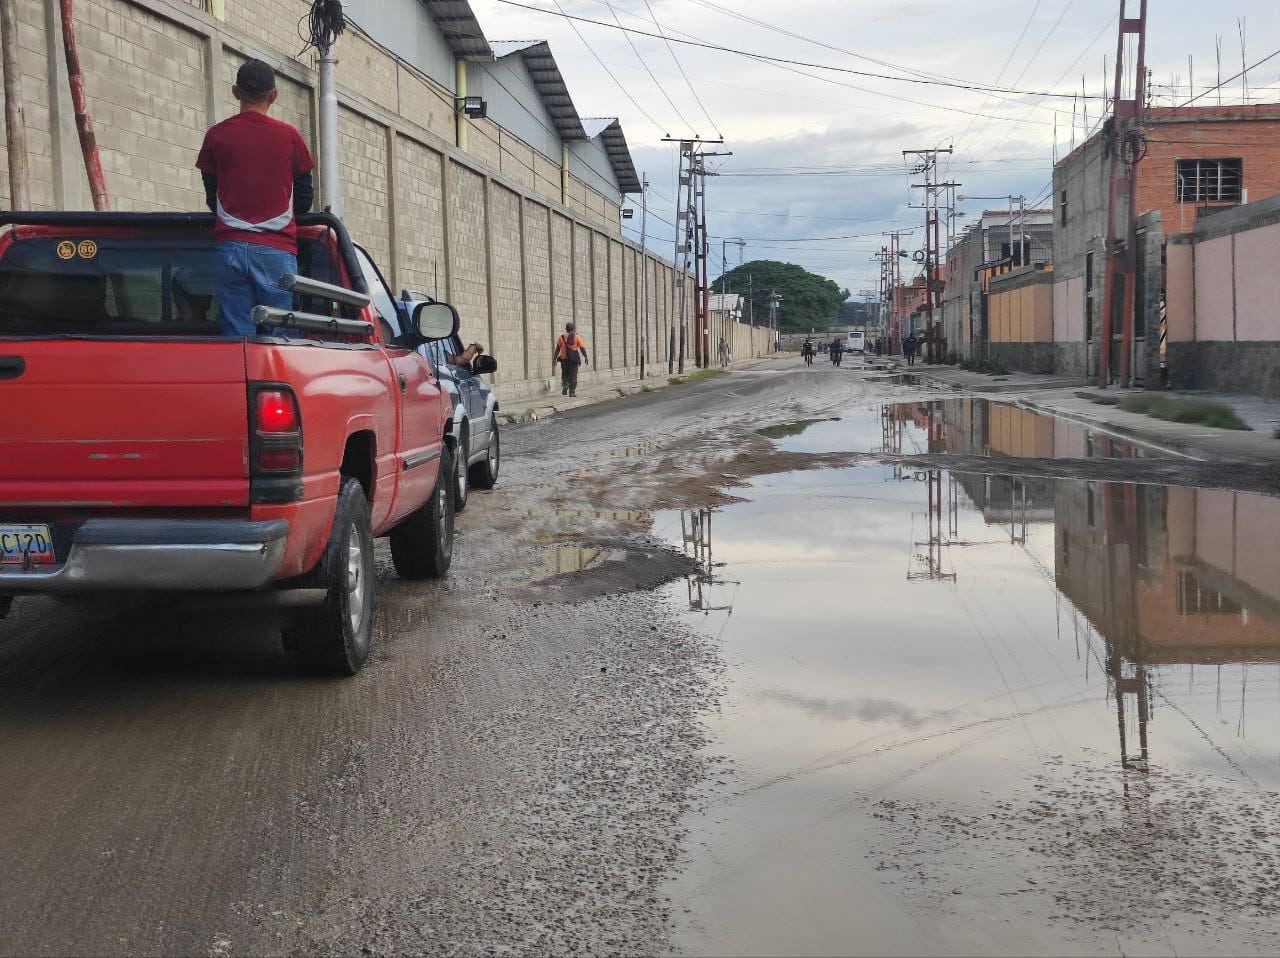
976,714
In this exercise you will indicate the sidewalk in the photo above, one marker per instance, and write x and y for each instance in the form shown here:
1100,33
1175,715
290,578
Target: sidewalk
1073,399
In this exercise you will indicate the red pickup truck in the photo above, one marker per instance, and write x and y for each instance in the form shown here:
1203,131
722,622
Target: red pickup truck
144,452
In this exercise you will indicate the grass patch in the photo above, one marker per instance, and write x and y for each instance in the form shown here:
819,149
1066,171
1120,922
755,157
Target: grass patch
1200,412
696,376
984,366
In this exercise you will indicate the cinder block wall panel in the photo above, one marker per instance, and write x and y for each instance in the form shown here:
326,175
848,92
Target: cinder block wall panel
617,309
33,65
270,22
420,217
540,326
366,193
582,285
427,105
468,281
562,266
508,283
147,82
367,70
601,331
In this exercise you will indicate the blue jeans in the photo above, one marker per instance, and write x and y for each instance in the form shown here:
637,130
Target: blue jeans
248,275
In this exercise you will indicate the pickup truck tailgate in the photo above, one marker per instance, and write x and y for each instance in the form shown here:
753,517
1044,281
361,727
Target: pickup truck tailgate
133,423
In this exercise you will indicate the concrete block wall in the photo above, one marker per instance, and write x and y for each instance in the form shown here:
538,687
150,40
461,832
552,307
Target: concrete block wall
517,264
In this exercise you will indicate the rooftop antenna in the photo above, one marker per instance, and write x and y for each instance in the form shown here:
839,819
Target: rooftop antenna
1217,40
1242,26
1191,75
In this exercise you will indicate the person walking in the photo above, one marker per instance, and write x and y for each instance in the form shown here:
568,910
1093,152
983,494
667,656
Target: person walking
570,353
257,177
909,348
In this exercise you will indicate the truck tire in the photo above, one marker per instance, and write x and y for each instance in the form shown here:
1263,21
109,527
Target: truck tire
462,490
422,545
334,637
484,474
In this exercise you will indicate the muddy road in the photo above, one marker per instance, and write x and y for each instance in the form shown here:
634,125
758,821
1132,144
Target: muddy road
789,661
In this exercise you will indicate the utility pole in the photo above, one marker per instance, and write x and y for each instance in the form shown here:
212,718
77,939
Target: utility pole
14,113
928,165
333,22
690,249
895,284
1126,147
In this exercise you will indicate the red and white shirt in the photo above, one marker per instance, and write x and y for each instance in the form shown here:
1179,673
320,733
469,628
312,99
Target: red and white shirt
255,159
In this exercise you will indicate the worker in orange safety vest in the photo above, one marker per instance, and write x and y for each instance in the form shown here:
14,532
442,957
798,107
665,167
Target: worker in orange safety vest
570,353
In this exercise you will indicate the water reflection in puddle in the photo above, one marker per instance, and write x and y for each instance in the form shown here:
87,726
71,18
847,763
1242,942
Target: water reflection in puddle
565,559
987,715
969,427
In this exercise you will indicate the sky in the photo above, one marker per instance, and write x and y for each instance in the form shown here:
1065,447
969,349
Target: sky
817,171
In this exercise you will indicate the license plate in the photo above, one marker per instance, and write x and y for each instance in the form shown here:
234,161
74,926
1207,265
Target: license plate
22,544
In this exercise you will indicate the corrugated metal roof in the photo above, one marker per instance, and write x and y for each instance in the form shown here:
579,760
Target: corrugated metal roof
547,81
460,27
615,145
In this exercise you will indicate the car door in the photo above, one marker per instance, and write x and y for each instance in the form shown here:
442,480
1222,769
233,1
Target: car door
420,437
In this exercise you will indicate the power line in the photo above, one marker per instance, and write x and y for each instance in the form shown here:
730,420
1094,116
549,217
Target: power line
679,66
1009,59
643,63
971,87
603,66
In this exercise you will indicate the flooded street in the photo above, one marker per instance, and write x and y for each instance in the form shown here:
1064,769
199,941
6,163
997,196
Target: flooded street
785,662
974,713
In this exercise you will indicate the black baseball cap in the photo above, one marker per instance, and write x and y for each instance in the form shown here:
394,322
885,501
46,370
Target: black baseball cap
256,78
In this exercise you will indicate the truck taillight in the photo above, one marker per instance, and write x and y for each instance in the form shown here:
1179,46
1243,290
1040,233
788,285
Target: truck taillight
277,412
275,468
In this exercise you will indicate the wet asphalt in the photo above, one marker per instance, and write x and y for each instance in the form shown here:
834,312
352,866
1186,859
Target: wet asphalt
671,698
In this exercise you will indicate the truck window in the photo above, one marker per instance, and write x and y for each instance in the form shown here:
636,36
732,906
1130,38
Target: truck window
109,285
160,284
383,303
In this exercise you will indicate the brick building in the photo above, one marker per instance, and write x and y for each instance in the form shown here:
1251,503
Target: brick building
1199,160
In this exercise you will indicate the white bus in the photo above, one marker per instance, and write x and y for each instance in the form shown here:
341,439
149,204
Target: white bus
857,343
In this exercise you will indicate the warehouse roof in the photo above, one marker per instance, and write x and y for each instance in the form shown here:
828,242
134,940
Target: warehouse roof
548,81
460,27
554,93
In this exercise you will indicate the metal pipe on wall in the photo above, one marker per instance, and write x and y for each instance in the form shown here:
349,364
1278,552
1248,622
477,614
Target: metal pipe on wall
330,166
14,114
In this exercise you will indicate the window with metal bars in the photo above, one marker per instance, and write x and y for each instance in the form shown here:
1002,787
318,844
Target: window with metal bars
1210,181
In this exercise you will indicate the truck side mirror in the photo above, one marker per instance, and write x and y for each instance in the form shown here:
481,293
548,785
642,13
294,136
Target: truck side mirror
436,320
483,365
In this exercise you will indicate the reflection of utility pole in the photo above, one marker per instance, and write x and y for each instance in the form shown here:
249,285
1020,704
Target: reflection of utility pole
929,564
695,533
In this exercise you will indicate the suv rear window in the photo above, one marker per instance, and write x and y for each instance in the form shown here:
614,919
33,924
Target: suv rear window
119,285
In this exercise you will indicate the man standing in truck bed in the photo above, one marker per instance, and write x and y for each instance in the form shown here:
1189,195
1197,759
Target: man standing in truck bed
257,175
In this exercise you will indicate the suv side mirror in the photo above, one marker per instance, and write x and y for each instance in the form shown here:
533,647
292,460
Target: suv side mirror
435,320
483,365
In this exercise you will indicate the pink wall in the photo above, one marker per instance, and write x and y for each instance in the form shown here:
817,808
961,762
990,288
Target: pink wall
1258,283
1222,289
1213,290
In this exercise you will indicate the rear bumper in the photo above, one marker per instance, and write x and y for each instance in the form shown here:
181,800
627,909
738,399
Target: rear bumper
160,555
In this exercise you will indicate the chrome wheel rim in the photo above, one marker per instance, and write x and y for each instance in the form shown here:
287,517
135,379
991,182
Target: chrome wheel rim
461,469
357,580
445,525
493,453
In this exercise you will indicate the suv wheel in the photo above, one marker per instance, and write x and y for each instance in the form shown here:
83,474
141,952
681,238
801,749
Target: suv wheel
335,636
422,545
462,491
484,474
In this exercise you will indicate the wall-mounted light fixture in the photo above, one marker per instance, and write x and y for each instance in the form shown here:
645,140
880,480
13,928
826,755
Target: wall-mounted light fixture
472,107
628,214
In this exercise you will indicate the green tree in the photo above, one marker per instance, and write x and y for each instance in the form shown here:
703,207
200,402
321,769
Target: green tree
809,301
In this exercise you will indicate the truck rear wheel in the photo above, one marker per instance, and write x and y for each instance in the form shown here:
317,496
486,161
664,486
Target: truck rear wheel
334,637
422,545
